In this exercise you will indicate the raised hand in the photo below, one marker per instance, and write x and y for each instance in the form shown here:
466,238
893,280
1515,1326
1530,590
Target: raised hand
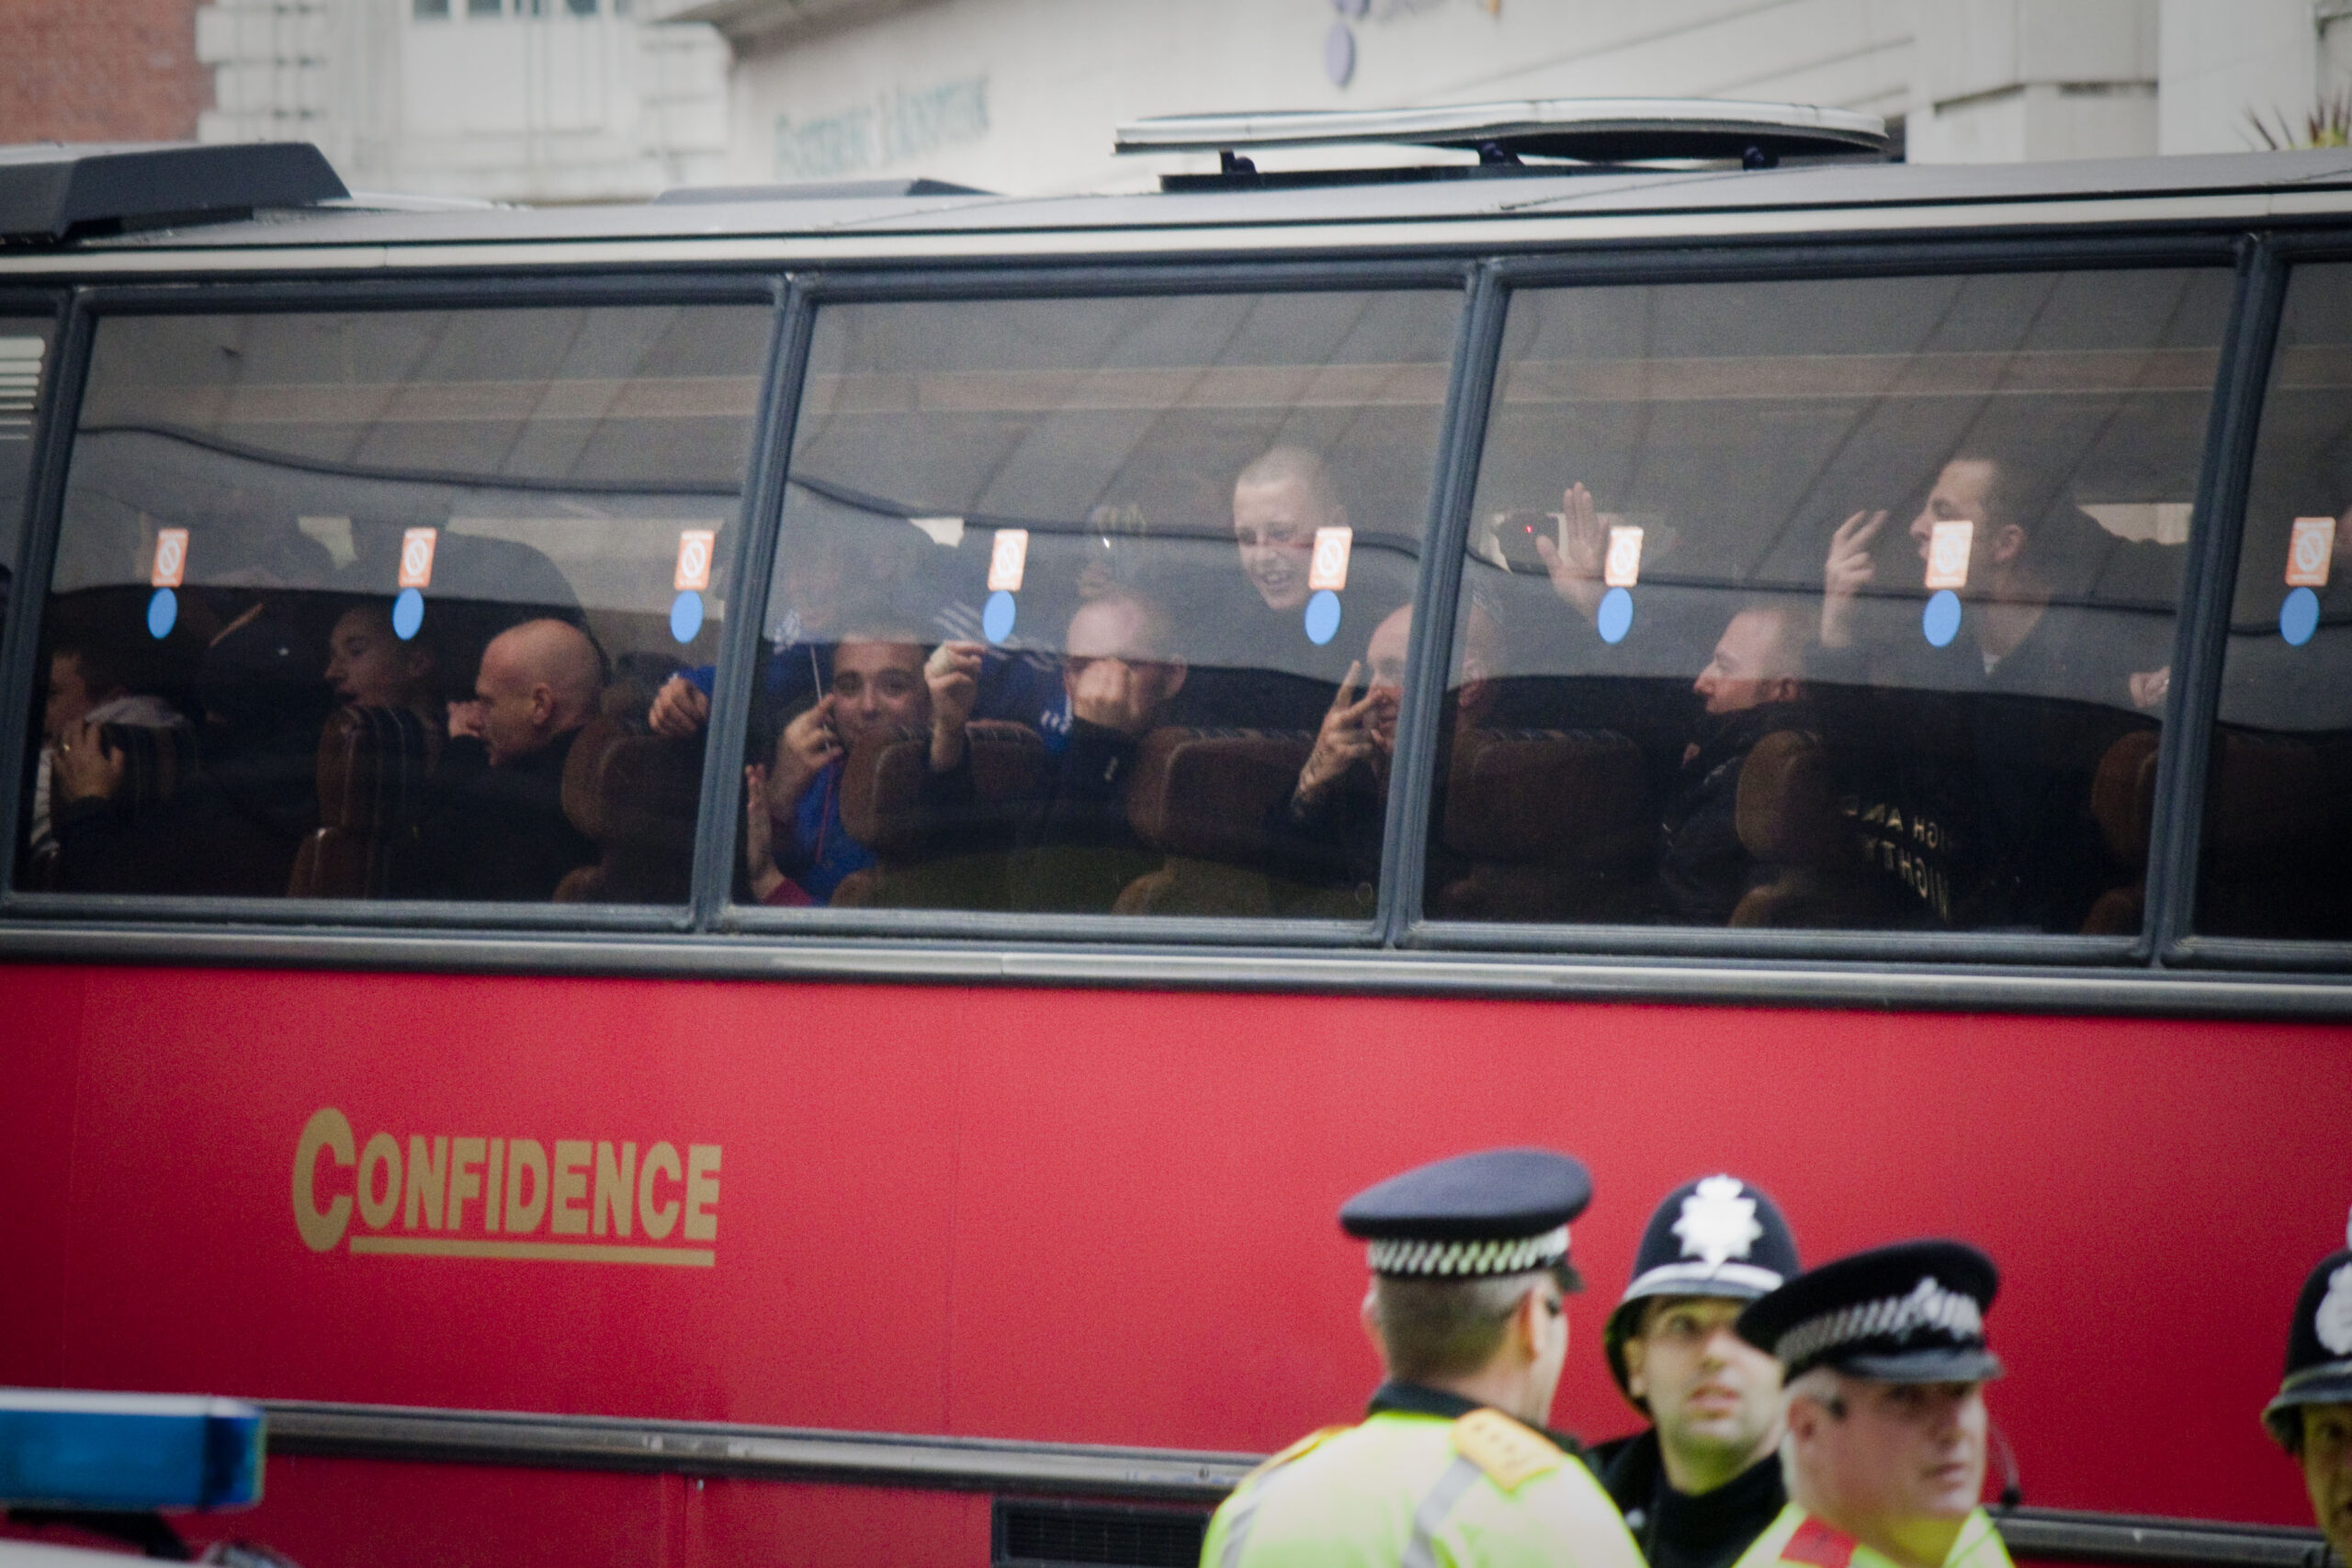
953,673
1344,738
759,834
1576,569
809,743
84,767
1847,571
680,710
1114,695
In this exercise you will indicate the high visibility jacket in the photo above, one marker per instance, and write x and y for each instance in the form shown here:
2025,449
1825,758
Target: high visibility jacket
1799,1540
1405,1490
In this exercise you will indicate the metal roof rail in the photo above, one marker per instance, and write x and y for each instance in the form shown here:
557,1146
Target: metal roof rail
813,190
52,192
1586,131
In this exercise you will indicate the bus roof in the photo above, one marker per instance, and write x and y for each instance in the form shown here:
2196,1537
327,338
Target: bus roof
1523,206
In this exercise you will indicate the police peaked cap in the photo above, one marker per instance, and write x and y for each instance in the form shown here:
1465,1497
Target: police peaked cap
2319,1350
1474,1216
1910,1313
1714,1236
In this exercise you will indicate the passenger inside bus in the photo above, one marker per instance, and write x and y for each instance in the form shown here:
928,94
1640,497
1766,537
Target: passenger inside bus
797,848
494,825
369,665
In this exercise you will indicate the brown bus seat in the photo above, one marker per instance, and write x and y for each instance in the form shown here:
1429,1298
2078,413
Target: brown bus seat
1201,796
1556,824
2124,804
373,764
636,796
1811,869
923,861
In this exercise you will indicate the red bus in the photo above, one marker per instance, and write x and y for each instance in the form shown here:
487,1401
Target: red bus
739,879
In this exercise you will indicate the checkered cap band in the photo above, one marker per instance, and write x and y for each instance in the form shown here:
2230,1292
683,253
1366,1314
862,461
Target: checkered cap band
1929,1306
1468,1259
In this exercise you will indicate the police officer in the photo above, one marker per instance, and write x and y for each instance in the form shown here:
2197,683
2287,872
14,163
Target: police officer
2311,1418
1704,1479
1470,1264
1884,1358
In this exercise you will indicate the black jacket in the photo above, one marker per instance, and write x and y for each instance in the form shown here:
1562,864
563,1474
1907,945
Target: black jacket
498,833
1674,1531
1704,869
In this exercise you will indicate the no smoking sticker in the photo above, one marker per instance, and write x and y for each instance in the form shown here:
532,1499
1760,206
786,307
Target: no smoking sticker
416,557
1329,567
171,558
693,559
2310,549
1008,558
1948,548
1621,568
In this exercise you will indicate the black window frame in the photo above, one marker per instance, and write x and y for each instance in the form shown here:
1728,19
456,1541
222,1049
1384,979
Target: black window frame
91,304
863,941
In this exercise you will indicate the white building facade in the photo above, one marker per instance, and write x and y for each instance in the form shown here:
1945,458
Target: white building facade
567,100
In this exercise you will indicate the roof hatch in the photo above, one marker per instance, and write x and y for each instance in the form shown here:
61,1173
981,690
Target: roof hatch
52,191
1588,130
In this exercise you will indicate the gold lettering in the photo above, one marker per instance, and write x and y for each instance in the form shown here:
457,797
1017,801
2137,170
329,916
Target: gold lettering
383,1153
701,1191
329,1129
615,1184
491,1185
428,1181
658,1221
466,1156
525,1157
571,1183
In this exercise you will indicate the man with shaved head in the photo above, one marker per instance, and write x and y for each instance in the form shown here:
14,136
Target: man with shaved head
495,827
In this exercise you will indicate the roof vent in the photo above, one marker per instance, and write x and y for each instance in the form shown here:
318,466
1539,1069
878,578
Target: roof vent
1588,130
52,192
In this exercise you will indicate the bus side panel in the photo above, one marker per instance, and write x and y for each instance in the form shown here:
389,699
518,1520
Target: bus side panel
1107,1216
43,1025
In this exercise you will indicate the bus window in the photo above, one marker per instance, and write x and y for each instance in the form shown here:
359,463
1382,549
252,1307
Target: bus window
1822,604
1066,590
2276,857
370,606
24,354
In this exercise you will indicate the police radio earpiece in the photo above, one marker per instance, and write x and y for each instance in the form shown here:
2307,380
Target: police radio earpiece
2012,1492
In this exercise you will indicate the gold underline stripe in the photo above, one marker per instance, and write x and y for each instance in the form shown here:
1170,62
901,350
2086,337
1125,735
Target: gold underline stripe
536,1251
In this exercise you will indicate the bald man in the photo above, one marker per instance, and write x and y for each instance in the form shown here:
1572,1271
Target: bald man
495,827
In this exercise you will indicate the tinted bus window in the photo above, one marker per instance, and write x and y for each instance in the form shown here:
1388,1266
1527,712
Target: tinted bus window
1822,604
24,354
371,606
1066,588
2278,840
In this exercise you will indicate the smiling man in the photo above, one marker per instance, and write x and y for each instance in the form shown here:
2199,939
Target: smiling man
2311,1418
1705,1481
1884,1357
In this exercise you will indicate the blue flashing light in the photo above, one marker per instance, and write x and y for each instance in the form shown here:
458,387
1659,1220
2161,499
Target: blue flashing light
1615,617
2298,617
126,1452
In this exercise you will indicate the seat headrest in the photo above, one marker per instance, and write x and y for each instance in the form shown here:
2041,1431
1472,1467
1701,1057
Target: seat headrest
632,790
157,761
1543,796
1787,810
2123,796
373,767
882,778
1205,794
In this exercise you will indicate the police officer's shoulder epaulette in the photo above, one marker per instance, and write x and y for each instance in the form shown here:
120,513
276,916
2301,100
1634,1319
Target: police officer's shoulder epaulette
1299,1450
1509,1452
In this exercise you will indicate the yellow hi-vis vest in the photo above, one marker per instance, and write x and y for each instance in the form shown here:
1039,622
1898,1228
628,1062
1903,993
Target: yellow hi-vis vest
1411,1491
1797,1540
